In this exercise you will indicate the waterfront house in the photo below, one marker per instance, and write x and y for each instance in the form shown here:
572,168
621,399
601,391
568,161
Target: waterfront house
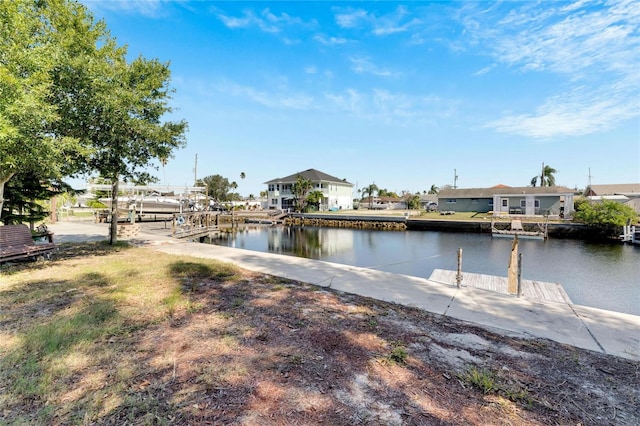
624,193
505,200
337,193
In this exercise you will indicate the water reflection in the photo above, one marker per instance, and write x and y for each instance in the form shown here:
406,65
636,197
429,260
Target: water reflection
593,274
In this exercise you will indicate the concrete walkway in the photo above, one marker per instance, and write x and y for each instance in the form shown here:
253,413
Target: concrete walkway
590,328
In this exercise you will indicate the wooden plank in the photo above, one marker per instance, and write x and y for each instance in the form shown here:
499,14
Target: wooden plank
530,289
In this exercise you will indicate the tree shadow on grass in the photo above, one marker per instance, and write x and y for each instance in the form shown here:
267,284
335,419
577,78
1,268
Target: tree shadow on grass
63,252
52,329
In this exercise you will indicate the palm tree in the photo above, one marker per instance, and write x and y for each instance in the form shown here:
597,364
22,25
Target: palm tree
163,161
370,190
434,189
546,177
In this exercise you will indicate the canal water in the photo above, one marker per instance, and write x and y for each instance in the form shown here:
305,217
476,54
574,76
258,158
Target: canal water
605,276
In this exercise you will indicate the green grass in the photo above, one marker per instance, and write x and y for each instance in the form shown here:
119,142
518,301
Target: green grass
489,382
63,321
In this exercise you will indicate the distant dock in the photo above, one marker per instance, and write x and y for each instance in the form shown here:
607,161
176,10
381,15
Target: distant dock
516,228
631,235
530,289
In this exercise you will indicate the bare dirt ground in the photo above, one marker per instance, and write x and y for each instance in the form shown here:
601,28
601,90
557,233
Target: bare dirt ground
300,355
260,350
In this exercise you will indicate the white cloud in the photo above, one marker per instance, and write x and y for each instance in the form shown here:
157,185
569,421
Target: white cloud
148,8
364,66
277,99
381,105
593,46
330,41
351,19
395,22
578,112
266,21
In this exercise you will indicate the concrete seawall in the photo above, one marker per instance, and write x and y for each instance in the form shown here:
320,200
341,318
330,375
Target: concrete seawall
555,230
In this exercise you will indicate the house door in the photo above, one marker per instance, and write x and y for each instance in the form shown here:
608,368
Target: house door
504,205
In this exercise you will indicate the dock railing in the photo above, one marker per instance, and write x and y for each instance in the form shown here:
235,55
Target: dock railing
190,224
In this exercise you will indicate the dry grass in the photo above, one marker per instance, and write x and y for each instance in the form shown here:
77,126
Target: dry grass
125,335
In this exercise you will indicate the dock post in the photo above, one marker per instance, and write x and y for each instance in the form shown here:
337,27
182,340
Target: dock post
519,274
459,273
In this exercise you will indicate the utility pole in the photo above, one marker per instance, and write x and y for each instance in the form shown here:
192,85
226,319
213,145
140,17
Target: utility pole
195,172
455,179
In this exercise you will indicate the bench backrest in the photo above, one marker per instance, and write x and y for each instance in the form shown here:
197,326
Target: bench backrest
11,235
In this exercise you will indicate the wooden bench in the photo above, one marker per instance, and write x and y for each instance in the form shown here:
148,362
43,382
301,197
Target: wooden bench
16,242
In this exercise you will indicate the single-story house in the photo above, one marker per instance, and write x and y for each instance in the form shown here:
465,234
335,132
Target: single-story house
338,193
624,193
428,201
383,203
528,200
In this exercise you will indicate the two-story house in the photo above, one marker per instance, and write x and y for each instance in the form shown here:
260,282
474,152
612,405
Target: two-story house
338,193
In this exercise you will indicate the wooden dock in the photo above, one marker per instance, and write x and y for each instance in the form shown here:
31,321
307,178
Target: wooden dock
537,231
530,289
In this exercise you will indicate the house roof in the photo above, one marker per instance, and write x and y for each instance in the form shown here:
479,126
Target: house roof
490,192
311,174
628,189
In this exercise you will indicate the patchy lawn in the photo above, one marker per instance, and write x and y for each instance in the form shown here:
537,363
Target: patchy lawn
123,335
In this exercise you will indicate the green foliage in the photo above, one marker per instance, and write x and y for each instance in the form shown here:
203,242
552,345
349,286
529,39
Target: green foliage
315,199
413,202
386,193
300,190
398,355
483,380
547,177
218,188
71,101
24,194
607,215
370,190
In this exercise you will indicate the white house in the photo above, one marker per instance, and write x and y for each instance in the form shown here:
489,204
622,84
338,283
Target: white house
338,193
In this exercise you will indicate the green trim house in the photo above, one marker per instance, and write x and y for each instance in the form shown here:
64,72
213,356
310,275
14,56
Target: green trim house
338,193
501,200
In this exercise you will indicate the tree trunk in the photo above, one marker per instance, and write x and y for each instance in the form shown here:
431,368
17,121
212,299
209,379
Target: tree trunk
3,179
113,230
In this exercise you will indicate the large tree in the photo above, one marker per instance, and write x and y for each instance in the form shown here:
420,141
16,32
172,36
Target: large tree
28,55
71,102
125,124
218,187
300,190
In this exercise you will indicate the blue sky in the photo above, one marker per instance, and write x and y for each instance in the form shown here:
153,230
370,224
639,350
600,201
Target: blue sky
399,94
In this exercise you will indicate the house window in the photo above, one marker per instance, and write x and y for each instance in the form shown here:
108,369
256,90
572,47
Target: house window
537,204
523,204
490,203
451,201
274,201
272,188
505,203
